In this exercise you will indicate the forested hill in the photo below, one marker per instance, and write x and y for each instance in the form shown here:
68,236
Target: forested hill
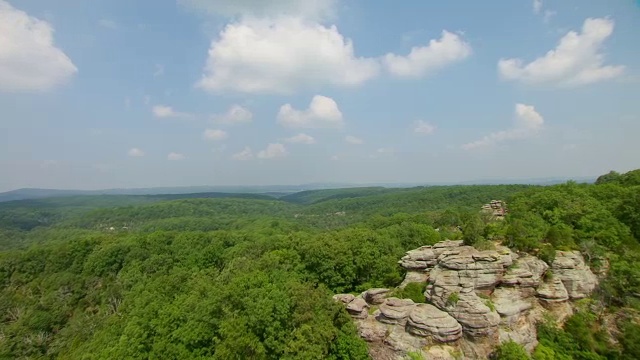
252,276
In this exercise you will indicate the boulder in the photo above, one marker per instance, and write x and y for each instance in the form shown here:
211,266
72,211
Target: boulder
427,320
375,296
395,311
448,244
512,303
371,330
344,298
570,268
525,272
552,291
419,259
358,308
476,318
414,277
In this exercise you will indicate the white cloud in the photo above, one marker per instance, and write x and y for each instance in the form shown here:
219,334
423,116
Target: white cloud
335,158
424,60
387,150
301,139
537,6
29,61
235,115
273,151
313,9
108,23
576,60
159,70
353,140
175,156
323,112
423,127
135,152
215,134
164,111
245,154
281,56
528,122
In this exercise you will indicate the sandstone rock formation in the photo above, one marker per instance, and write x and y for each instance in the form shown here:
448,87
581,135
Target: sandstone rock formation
427,320
476,299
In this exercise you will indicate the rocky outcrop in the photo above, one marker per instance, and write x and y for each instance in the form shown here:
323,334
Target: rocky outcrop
428,321
476,318
375,296
553,291
358,308
490,296
575,275
395,311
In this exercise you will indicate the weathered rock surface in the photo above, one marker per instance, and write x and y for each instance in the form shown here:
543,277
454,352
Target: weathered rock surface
553,291
375,296
344,298
395,311
358,308
427,320
476,318
413,276
491,296
576,276
525,272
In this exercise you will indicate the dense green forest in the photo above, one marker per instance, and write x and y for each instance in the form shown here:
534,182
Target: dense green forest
251,276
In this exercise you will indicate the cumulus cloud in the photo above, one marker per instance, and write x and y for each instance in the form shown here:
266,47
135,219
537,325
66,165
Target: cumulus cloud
245,154
528,122
353,140
235,115
175,156
313,9
576,60
135,152
273,151
425,60
301,139
280,56
164,111
215,134
423,127
29,60
323,112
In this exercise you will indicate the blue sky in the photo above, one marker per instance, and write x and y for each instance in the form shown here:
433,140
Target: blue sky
115,93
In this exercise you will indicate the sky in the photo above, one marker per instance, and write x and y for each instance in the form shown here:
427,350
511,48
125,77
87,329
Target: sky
123,94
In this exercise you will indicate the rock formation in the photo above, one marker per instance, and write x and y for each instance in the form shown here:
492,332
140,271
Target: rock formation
474,300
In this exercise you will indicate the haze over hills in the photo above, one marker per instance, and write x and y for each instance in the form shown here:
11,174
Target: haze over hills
273,190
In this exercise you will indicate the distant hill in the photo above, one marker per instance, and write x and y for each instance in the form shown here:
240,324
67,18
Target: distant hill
305,191
275,191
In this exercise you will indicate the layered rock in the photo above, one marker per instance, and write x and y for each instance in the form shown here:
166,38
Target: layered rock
575,275
476,318
395,311
358,308
552,291
375,296
491,296
427,320
510,302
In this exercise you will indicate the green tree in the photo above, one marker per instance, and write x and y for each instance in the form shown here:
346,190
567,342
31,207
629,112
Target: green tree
510,350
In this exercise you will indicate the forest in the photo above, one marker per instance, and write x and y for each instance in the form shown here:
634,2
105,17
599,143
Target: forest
237,276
